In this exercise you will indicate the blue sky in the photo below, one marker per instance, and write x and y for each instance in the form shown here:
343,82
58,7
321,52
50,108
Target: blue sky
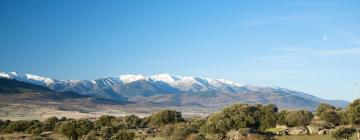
307,45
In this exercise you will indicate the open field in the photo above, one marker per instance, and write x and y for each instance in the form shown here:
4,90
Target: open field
44,111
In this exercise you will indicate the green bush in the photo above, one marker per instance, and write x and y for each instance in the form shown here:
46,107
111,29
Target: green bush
123,135
182,130
83,127
164,117
323,107
49,123
105,120
344,117
281,117
92,135
19,126
343,133
268,116
35,129
232,118
298,118
354,112
67,129
132,122
330,116
108,131
3,125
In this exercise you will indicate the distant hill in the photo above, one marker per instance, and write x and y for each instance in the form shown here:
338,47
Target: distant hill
170,90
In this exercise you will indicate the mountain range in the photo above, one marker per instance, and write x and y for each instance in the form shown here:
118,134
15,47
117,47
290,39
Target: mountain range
171,90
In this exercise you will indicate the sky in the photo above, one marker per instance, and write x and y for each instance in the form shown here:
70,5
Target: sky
305,45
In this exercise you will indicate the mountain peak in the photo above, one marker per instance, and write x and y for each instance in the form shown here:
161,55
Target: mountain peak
131,78
167,78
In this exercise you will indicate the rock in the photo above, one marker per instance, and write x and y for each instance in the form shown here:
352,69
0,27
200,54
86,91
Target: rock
314,129
281,126
322,132
282,133
300,130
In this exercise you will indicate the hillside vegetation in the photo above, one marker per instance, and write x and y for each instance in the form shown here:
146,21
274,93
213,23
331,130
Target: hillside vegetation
235,122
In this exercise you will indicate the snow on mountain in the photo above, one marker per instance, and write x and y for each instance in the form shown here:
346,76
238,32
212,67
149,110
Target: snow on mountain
131,78
4,75
184,84
182,90
39,80
167,78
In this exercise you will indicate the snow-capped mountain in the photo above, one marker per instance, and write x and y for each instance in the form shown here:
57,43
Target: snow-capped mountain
182,84
176,90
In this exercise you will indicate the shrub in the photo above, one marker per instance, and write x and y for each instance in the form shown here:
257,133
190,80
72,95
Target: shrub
343,133
84,127
281,117
35,129
354,112
49,123
164,117
232,118
132,122
323,107
268,116
123,135
330,116
344,117
299,118
182,130
108,131
105,120
19,126
92,135
67,129
4,124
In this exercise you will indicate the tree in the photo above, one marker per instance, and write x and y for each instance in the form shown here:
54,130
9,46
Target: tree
281,117
19,126
323,107
330,116
354,112
232,118
67,129
123,135
343,133
299,118
83,127
344,117
268,116
164,117
132,121
105,120
4,124
49,123
108,131
35,129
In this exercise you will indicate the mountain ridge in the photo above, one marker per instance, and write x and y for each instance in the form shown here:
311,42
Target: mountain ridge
177,90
